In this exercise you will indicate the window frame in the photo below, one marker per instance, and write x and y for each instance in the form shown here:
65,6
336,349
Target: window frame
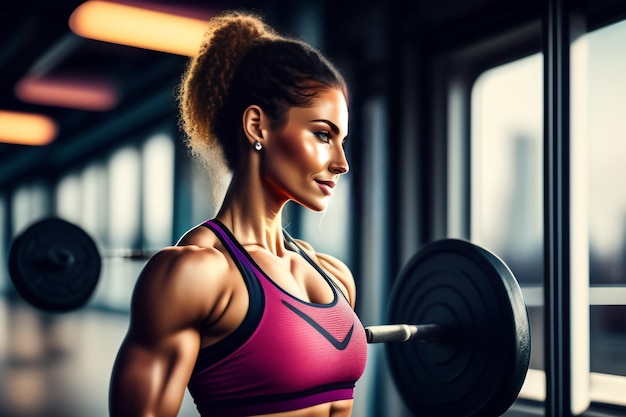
456,73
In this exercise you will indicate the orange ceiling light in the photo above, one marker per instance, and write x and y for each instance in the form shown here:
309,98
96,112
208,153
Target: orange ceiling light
74,92
139,27
26,128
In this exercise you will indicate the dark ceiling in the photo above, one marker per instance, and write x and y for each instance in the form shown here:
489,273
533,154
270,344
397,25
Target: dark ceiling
35,36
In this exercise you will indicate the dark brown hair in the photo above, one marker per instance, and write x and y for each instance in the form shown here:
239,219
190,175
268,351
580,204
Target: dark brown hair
242,62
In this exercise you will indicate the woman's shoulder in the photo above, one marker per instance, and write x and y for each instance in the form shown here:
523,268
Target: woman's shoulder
196,252
189,279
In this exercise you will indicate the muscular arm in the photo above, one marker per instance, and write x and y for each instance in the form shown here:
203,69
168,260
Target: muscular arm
157,356
149,379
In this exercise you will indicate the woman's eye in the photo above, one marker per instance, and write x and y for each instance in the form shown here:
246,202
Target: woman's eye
323,136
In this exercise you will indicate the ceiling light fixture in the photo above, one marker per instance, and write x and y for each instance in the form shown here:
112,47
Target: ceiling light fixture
139,27
74,92
26,128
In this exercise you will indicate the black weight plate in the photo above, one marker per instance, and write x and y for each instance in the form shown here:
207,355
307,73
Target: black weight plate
479,365
54,265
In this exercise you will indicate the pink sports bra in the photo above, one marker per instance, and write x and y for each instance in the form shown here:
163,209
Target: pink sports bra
287,354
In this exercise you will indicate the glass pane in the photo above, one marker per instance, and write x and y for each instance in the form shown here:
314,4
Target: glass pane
68,198
507,177
158,191
607,198
506,167
29,204
608,339
607,152
124,193
81,199
93,183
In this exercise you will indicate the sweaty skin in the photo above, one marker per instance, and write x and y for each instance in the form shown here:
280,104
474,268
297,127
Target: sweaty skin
192,295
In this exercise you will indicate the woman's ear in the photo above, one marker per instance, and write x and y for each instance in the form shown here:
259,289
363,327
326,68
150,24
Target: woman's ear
254,121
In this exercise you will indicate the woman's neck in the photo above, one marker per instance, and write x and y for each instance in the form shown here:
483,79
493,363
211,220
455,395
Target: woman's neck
252,216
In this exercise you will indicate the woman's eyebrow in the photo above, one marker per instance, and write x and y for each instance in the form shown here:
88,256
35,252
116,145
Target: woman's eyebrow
332,126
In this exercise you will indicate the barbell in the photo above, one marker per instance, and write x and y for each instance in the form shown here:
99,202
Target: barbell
459,340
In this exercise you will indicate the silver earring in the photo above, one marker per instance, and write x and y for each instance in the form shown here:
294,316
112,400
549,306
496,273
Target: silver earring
257,145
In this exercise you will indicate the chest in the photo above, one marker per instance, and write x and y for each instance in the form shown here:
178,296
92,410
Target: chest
296,276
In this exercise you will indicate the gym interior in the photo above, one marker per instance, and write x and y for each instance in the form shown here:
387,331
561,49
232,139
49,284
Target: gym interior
479,120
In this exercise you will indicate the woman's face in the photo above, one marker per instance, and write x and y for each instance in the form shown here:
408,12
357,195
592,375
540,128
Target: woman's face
305,157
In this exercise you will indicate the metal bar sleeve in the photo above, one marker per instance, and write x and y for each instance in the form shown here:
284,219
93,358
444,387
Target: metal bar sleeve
391,333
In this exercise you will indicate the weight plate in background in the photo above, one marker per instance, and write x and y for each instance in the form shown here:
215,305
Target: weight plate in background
479,366
54,265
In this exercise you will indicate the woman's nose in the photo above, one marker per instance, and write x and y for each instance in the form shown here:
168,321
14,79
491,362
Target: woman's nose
339,165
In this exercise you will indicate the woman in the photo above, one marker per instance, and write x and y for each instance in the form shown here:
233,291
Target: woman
253,322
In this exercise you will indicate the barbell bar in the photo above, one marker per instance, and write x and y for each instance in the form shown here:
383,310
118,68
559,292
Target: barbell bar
458,343
400,333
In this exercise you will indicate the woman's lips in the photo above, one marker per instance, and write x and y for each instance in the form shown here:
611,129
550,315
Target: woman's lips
326,186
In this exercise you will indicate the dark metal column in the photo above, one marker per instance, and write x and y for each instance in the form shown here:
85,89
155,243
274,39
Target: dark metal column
557,210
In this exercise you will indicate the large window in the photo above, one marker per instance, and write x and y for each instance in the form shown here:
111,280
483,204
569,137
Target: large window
507,195
124,201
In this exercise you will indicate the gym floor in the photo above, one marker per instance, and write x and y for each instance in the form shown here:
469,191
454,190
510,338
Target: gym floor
59,365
